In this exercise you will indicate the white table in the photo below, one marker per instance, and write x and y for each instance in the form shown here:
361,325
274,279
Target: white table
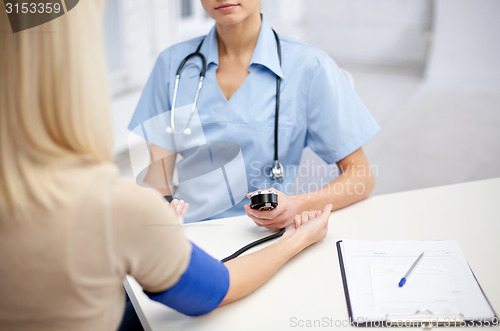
307,293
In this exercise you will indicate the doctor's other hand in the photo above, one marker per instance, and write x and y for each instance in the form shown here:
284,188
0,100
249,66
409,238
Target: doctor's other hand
311,226
277,218
180,207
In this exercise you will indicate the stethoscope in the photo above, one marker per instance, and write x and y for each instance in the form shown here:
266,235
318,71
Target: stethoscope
276,172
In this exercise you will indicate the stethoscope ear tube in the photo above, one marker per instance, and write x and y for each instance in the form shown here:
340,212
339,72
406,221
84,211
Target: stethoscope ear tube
277,172
187,58
186,130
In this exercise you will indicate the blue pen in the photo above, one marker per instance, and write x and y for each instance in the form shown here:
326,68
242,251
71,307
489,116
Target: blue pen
403,280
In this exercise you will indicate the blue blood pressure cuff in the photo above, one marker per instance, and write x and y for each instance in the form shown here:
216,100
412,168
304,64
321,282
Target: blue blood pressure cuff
200,289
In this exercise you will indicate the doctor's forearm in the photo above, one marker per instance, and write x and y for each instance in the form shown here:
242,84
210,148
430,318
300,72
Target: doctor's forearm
355,183
341,192
158,179
159,174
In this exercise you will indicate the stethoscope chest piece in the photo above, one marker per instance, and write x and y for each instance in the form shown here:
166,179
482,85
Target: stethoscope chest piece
277,172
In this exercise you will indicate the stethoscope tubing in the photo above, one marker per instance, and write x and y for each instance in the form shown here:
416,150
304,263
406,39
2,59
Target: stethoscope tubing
253,244
277,108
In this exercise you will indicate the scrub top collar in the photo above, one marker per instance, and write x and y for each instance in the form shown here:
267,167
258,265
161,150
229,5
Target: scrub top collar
261,54
210,48
266,50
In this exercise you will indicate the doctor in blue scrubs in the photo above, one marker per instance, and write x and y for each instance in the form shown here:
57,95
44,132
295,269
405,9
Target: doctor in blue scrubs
229,150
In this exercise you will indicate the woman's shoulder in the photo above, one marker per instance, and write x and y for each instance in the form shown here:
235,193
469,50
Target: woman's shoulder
126,193
135,203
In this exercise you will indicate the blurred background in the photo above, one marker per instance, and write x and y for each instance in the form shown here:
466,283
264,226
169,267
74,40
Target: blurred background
428,70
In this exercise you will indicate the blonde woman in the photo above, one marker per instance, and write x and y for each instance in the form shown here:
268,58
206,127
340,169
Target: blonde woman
70,227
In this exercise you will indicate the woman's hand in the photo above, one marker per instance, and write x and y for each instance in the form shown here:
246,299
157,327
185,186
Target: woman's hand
311,226
179,206
279,217
250,271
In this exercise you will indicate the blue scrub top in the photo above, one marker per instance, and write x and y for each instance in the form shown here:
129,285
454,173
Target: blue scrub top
318,109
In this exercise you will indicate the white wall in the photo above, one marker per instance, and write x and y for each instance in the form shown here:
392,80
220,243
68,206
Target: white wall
368,32
466,44
285,16
135,33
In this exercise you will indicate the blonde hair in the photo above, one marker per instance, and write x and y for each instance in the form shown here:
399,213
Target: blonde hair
54,105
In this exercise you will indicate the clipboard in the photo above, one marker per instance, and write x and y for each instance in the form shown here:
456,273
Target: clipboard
371,271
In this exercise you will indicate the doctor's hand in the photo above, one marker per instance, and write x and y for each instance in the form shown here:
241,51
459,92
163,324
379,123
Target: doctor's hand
179,206
277,218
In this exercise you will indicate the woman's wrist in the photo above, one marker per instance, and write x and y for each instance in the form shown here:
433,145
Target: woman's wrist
294,244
